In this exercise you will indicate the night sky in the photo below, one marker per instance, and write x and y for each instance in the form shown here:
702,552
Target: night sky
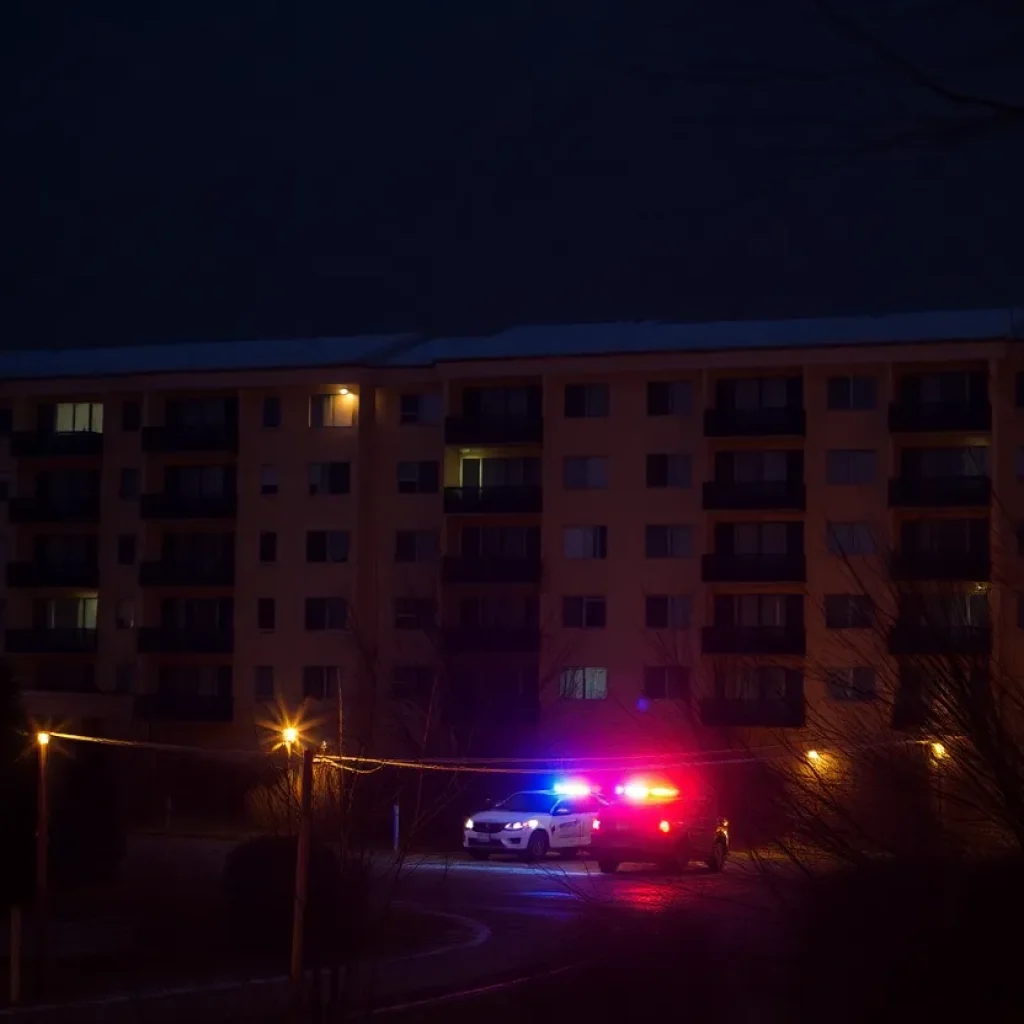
189,171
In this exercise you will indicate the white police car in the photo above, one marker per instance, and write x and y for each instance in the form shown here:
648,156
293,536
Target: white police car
532,822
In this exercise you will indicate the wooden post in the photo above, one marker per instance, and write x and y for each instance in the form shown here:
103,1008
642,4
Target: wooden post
15,956
43,856
302,876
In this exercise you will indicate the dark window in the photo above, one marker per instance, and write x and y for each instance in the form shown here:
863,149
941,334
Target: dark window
586,400
266,613
851,466
666,682
851,683
668,541
131,417
416,545
271,411
327,546
583,612
128,484
669,471
263,682
847,611
126,549
329,477
418,477
323,613
320,682
852,393
669,397
414,613
422,408
268,546
412,682
668,611
268,480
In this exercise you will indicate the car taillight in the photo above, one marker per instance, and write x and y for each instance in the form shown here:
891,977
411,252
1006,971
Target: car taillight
597,824
664,826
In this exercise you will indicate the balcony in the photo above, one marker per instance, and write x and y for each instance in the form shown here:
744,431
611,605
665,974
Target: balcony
725,712
493,639
64,677
54,509
958,566
722,568
916,638
187,574
85,575
167,440
493,500
753,495
935,417
185,640
457,569
168,505
753,640
776,422
488,430
940,492
51,641
46,444
186,707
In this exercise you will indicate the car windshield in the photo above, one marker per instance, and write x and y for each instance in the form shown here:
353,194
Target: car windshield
536,803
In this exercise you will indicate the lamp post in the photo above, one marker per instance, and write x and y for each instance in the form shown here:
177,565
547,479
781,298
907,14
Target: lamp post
42,850
290,736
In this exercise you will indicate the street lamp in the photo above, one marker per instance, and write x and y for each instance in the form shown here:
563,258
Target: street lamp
290,735
43,738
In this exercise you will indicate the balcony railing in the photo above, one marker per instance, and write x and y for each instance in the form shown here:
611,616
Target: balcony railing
458,569
913,638
769,495
487,430
730,568
932,417
753,640
53,574
44,444
168,505
725,712
220,437
967,566
187,574
53,509
778,422
493,500
185,707
940,492
50,641
493,639
185,640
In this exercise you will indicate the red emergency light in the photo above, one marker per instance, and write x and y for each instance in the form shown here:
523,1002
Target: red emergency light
640,790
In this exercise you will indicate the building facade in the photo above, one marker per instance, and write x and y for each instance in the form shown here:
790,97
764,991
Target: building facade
567,543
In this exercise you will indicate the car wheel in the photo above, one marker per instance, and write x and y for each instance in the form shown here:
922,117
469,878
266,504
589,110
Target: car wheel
607,867
537,847
717,859
479,854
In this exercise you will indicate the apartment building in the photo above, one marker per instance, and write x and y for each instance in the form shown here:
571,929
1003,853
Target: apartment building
608,539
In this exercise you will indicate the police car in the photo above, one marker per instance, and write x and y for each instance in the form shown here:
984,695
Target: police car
532,822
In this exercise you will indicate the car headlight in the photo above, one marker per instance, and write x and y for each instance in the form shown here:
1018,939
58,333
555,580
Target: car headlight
518,826
469,824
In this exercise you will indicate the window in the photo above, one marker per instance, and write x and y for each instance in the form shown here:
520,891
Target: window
502,611
668,611
852,393
758,610
501,403
669,397
585,541
201,412
848,611
124,614
200,481
418,477
412,682
947,387
329,477
763,538
131,417
266,613
203,613
78,418
585,473
69,613
320,682
128,483
939,463
666,682
326,613
669,471
126,549
755,684
327,546
583,684
268,480
586,400
263,682
754,393
504,472
500,542
851,466
668,541
856,683
271,418
268,546
338,410
759,467
124,677
850,539
583,612
414,613
416,545
423,408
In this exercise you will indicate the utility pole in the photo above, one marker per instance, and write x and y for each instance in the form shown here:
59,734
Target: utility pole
341,778
43,854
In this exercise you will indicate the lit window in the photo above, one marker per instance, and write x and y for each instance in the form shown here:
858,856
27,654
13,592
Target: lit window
337,410
78,418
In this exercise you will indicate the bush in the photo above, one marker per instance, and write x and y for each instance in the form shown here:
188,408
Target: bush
259,893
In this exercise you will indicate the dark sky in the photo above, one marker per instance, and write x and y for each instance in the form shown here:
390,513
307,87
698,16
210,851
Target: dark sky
231,170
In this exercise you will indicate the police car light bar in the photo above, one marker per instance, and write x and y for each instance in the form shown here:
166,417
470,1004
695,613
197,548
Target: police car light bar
641,791
572,789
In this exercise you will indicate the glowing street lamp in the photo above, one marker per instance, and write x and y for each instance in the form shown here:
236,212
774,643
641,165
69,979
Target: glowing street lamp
43,738
938,751
813,756
290,735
